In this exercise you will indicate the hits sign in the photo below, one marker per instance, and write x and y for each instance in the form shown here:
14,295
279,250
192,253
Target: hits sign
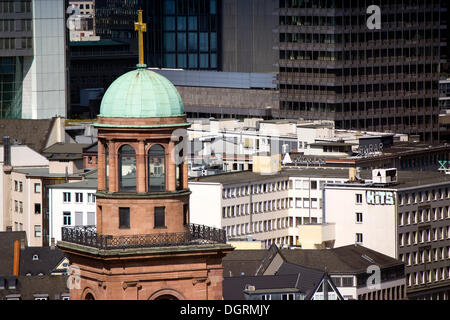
379,197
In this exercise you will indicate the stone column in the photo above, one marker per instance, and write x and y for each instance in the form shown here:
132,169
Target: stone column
140,167
113,186
185,172
170,175
101,166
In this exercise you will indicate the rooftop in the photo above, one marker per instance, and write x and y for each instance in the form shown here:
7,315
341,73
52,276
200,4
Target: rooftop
33,133
85,184
349,259
406,179
253,177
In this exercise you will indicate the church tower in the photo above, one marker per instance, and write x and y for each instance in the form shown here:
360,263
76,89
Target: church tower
143,246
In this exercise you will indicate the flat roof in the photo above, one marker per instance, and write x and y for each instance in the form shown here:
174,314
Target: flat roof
406,179
43,172
253,177
85,184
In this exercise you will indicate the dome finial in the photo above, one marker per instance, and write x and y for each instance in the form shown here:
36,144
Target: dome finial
141,27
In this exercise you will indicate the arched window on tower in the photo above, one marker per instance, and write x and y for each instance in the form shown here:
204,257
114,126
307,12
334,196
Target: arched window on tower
156,169
127,169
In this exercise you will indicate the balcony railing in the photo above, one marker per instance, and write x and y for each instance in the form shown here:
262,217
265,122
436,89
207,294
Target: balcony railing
197,234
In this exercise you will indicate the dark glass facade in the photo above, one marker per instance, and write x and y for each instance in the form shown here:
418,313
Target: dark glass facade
183,34
11,75
114,19
332,66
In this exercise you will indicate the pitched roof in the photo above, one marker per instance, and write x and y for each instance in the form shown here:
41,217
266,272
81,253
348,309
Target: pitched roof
7,239
47,260
233,287
30,132
242,261
349,259
65,151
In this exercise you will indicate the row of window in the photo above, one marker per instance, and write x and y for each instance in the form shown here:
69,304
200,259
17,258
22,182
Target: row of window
159,217
361,71
268,225
16,43
360,55
79,197
269,206
425,235
429,276
391,293
417,197
348,38
156,174
79,218
425,255
363,90
367,106
347,4
15,25
15,6
423,215
242,191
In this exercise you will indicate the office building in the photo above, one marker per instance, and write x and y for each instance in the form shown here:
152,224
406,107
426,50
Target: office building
332,66
404,216
32,59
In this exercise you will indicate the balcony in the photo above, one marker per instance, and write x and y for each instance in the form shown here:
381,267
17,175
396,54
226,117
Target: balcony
196,235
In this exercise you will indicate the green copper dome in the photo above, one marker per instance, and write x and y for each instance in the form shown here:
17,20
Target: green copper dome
141,93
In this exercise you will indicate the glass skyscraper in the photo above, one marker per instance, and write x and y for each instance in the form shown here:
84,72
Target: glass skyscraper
182,34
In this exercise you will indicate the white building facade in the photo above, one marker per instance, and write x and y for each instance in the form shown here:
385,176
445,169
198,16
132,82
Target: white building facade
71,204
409,221
269,208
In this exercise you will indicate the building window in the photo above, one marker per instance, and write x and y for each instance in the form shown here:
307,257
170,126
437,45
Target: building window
16,206
16,185
359,217
127,169
20,186
313,185
347,281
358,198
91,218
160,219
37,208
66,197
156,168
37,188
314,203
20,207
67,218
78,197
124,218
91,197
37,231
359,238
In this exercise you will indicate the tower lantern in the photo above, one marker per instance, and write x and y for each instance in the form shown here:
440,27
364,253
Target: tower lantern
143,246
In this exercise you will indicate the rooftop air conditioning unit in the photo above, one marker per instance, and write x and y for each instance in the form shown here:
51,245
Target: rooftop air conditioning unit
384,175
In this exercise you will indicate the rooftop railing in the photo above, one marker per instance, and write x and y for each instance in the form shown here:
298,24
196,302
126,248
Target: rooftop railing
196,234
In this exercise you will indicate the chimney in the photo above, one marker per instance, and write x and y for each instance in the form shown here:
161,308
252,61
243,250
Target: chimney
52,243
6,151
16,260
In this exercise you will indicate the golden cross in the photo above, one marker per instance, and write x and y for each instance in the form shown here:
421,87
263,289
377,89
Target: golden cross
140,27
